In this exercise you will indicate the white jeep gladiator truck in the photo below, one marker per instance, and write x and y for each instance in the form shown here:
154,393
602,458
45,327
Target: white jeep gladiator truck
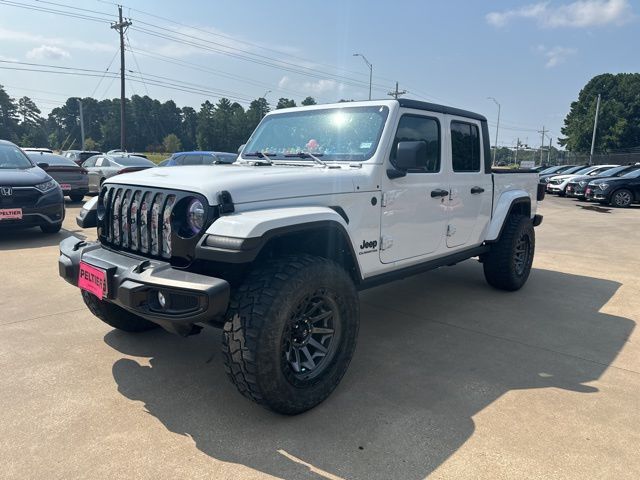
323,201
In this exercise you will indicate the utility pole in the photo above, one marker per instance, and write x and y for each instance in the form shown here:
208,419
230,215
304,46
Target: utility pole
517,146
81,123
370,70
121,28
396,93
595,128
495,150
549,151
542,142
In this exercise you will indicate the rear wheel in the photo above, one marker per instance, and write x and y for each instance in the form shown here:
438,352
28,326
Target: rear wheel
508,263
115,316
291,332
622,198
76,197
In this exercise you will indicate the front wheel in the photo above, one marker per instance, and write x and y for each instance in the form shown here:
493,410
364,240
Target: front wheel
622,198
508,263
115,316
51,227
291,332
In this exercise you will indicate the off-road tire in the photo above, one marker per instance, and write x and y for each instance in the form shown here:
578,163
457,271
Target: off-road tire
76,197
51,228
501,267
116,316
254,334
622,198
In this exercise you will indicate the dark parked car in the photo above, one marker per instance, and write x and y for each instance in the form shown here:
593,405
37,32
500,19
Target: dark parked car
199,158
72,178
29,197
101,167
577,186
616,191
79,156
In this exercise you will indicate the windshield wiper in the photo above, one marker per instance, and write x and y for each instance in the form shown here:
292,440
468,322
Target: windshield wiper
308,155
261,155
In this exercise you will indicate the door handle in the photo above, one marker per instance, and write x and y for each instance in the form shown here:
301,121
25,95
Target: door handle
476,190
438,192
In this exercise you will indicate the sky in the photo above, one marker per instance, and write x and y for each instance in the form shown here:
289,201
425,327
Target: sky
532,57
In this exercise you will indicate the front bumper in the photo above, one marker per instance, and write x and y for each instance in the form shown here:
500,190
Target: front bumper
134,283
48,210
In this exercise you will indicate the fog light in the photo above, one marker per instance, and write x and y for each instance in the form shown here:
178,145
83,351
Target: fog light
162,300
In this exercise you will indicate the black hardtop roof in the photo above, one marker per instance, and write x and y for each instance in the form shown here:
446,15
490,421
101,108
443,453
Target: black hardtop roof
434,107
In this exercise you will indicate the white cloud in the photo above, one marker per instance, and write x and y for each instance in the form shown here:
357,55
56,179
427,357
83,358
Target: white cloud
578,14
48,52
313,88
555,55
25,37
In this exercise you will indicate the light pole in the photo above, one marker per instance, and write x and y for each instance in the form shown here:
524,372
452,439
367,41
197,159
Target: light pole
370,70
495,149
266,93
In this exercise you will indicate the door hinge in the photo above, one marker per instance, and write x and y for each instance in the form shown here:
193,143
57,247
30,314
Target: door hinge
386,242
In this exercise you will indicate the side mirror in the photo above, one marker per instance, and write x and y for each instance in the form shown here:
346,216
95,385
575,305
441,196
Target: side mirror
43,165
410,154
240,148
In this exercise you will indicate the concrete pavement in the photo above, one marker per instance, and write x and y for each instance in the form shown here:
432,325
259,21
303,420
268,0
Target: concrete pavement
451,379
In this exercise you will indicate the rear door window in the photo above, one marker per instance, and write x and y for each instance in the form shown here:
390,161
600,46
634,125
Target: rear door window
465,147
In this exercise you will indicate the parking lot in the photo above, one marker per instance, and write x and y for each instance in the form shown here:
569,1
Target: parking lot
451,379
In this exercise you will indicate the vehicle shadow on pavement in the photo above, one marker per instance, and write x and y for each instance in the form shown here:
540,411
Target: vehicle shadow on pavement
434,350
34,238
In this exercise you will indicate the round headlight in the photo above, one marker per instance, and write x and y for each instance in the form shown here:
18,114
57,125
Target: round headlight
195,216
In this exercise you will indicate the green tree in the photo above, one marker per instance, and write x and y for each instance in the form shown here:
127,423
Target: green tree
256,112
285,103
188,128
205,129
308,101
619,119
90,144
8,117
171,143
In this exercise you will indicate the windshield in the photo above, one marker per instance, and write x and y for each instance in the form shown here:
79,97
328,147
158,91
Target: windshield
133,162
633,174
579,171
51,159
12,157
341,134
614,172
551,170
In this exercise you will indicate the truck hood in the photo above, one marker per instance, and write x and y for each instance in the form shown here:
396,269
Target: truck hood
248,183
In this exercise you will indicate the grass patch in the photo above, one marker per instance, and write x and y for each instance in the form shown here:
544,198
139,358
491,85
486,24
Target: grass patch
157,157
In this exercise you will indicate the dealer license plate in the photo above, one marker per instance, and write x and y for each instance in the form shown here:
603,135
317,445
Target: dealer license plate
10,214
93,280
65,187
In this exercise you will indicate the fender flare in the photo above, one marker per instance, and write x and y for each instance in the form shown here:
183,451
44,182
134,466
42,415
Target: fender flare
504,206
240,237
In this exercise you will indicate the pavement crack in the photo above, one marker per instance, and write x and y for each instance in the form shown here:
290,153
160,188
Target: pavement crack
41,316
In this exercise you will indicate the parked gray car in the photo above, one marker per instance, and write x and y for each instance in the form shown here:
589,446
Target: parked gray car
79,156
72,178
101,167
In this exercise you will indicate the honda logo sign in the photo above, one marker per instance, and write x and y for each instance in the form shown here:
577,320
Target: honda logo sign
6,191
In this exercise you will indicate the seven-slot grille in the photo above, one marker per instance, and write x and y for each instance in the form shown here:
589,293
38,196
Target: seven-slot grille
138,219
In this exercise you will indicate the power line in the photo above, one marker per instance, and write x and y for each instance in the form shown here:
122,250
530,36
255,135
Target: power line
105,73
54,11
